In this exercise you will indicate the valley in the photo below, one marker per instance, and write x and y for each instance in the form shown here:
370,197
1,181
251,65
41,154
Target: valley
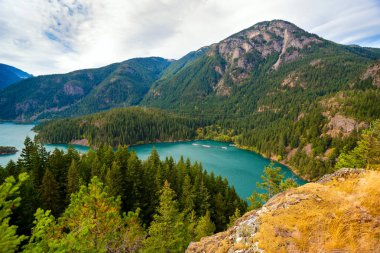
240,167
269,138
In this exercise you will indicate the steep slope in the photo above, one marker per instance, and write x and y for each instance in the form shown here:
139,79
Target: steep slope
82,91
10,75
332,215
280,91
266,57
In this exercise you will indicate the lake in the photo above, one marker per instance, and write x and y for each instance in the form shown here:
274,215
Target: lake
242,168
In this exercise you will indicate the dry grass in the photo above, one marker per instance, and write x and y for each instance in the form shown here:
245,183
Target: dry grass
342,215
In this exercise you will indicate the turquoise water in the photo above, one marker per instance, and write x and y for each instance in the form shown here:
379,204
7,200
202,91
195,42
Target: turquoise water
242,168
12,134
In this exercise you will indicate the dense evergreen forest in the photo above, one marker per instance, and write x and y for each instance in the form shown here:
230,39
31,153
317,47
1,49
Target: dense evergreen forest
109,200
121,126
272,88
269,133
82,91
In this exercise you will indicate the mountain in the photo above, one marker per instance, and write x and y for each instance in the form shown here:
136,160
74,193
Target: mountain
272,88
81,92
278,90
273,57
334,214
10,75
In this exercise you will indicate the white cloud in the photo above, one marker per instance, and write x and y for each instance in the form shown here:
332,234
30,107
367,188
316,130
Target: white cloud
55,36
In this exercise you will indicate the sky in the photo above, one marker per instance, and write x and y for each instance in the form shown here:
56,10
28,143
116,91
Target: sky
58,36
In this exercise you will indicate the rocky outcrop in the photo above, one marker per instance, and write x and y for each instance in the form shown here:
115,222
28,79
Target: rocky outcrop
73,88
374,73
339,213
81,142
245,50
341,125
292,81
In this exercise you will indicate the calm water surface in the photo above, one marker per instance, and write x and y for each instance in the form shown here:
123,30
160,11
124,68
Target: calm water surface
242,168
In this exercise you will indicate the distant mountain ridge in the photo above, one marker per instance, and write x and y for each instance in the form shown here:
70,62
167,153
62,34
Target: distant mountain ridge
10,75
82,91
272,88
226,78
225,69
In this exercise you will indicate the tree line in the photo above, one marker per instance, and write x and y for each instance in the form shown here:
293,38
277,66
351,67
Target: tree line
110,201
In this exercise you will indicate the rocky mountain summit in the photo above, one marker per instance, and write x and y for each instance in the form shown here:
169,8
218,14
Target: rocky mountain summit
331,215
242,52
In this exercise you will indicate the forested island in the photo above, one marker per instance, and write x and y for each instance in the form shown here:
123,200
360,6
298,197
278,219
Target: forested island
6,150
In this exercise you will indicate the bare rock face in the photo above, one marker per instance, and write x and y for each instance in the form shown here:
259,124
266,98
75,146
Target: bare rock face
82,142
292,81
72,88
374,73
339,213
245,50
341,125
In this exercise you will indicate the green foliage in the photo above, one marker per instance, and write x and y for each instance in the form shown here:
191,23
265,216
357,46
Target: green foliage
273,183
83,91
167,230
91,223
205,227
131,184
367,152
9,190
73,178
120,126
50,192
234,217
114,180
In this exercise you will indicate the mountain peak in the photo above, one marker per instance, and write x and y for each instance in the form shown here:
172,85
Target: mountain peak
248,48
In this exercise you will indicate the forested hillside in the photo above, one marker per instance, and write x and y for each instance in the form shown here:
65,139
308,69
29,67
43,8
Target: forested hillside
280,91
10,75
272,88
81,92
109,201
121,126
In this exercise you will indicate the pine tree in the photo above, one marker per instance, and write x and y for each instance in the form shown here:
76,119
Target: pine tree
273,183
367,152
26,152
73,178
234,217
114,180
203,199
205,227
167,229
50,193
91,223
188,195
9,240
133,182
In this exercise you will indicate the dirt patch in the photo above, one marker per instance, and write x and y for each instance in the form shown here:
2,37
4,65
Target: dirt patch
82,142
374,73
341,125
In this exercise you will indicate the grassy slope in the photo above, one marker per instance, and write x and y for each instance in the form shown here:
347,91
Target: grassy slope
334,215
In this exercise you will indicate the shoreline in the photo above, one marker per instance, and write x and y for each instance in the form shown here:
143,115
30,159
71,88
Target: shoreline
85,143
291,168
